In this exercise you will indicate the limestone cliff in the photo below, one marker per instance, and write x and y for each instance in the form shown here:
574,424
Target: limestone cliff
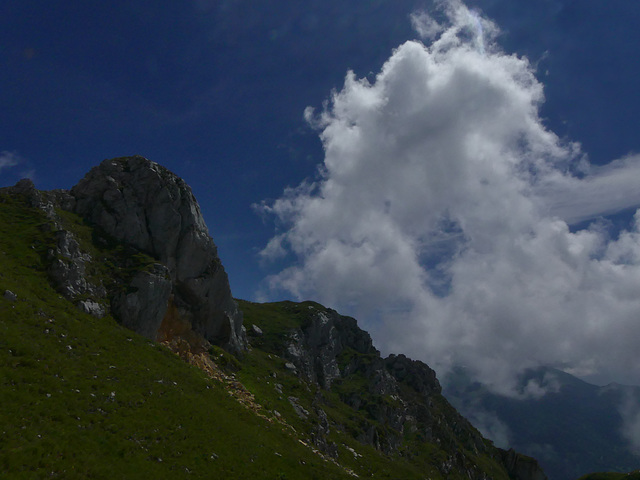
395,402
145,210
144,205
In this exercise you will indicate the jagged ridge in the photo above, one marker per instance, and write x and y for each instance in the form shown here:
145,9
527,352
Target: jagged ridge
392,404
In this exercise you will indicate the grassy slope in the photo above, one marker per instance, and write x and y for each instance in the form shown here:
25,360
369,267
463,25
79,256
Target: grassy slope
86,398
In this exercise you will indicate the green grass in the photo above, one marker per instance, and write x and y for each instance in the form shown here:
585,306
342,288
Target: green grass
82,397
275,320
85,398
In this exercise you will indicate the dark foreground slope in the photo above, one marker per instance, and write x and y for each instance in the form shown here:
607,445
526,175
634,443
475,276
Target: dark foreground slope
83,397
305,395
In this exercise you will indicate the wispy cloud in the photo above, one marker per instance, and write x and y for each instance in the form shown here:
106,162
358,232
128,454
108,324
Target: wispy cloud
425,25
630,414
447,143
14,167
9,159
603,190
488,423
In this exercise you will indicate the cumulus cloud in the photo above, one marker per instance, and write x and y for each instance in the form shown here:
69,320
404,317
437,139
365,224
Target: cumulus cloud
440,217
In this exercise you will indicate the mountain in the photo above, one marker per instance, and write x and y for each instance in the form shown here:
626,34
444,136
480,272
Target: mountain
572,427
612,476
392,405
124,355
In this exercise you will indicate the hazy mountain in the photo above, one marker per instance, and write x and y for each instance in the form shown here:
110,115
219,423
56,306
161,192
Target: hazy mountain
572,427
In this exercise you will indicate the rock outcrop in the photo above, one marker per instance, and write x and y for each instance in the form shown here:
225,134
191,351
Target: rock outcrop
521,466
145,206
147,209
314,348
329,349
143,306
399,397
67,263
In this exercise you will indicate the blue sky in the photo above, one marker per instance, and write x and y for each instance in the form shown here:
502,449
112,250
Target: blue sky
217,90
213,90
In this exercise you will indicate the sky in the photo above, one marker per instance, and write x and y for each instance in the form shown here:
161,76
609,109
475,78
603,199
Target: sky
461,178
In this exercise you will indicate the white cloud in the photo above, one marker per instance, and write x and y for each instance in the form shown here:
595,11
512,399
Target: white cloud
9,159
490,426
603,190
440,218
425,25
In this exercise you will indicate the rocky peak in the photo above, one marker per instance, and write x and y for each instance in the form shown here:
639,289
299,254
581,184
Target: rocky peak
390,399
415,373
145,206
315,348
26,190
146,209
329,346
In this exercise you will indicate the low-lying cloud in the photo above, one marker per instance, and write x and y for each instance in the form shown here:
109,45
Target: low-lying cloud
440,217
630,414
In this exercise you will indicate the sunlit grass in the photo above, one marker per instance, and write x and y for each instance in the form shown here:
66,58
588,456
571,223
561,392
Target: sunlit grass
86,398
83,397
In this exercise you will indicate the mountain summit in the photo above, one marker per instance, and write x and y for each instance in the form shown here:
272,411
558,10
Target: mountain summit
149,210
144,205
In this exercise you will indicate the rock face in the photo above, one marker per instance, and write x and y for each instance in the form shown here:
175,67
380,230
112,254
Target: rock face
144,306
313,350
145,206
330,348
68,267
400,397
67,263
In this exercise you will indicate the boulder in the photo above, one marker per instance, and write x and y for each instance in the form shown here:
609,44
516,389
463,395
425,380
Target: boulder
9,295
92,308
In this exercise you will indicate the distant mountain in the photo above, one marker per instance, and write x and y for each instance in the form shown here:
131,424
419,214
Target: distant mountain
573,429
124,355
612,476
